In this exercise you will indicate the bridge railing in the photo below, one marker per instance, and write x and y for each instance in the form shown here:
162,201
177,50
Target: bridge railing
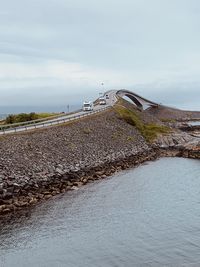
39,125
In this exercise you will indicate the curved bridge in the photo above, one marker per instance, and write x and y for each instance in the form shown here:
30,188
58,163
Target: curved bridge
139,101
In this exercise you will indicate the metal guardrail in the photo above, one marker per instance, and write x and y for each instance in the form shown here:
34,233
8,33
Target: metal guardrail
50,123
17,124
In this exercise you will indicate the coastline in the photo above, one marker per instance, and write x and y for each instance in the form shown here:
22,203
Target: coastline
38,165
74,180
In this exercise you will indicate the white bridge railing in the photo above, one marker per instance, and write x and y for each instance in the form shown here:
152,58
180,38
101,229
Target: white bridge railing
6,129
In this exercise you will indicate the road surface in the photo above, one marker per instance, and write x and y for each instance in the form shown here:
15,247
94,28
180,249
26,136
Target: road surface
70,117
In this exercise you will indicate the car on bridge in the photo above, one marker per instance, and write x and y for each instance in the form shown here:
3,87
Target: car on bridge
102,101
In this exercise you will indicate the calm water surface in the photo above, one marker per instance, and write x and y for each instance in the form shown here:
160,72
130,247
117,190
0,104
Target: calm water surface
149,216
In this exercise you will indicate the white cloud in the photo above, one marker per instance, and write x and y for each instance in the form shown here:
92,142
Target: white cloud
72,46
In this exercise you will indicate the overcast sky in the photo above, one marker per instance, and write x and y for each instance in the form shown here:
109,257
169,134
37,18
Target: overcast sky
54,52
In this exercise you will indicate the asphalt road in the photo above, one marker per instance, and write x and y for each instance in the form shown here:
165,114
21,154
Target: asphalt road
109,102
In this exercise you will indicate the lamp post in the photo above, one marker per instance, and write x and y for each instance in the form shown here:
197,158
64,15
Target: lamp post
101,94
102,84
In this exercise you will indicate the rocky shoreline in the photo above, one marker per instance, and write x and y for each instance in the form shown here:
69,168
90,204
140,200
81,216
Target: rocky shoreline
37,166
28,196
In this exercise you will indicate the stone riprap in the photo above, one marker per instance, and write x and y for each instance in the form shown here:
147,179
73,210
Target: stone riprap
40,164
37,165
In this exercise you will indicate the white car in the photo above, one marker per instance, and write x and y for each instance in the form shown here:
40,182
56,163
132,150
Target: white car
87,106
102,101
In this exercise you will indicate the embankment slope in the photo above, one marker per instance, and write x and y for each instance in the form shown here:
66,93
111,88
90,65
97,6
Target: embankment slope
38,165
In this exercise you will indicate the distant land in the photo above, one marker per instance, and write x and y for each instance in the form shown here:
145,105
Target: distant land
187,100
5,110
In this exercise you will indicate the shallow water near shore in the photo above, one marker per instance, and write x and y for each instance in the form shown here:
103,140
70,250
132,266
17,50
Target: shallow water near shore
147,216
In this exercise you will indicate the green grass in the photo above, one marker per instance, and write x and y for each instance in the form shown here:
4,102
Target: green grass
46,115
23,117
149,131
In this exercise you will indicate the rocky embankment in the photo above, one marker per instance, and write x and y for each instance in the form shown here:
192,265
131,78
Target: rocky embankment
164,113
38,165
179,144
184,140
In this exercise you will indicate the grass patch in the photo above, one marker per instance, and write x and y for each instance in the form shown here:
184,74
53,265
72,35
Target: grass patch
46,115
24,117
149,131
